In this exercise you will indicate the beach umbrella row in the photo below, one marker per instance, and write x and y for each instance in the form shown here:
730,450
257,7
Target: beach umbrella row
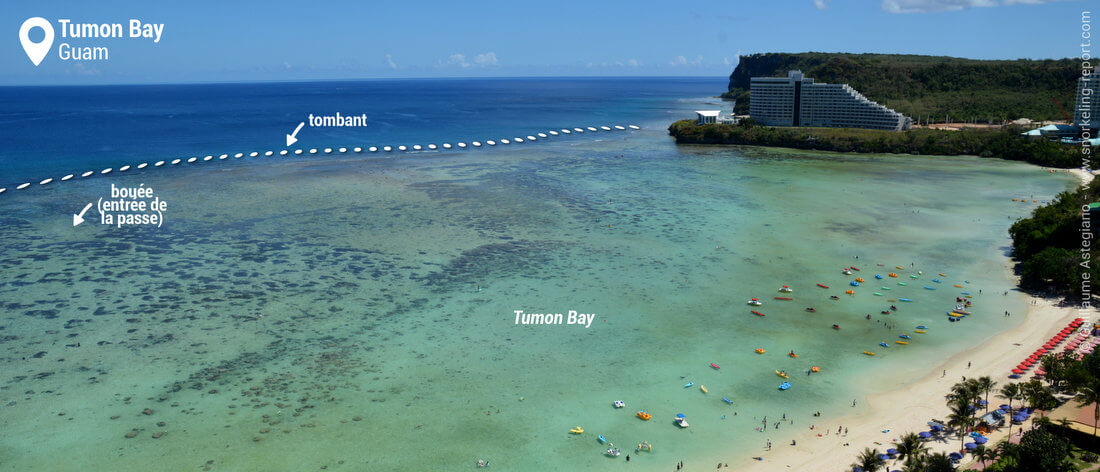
1050,345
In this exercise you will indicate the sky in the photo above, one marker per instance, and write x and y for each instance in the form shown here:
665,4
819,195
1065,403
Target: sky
279,40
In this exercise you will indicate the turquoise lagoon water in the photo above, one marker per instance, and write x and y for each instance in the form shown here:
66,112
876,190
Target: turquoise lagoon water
387,289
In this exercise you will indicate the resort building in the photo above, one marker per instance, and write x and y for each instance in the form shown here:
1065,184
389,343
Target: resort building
706,117
1085,113
799,101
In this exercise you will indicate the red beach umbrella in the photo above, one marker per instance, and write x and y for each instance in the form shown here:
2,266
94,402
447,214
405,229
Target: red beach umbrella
1017,371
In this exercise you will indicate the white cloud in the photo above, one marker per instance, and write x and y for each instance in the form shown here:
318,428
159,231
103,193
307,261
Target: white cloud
487,59
726,61
390,63
925,6
458,60
632,62
683,61
820,4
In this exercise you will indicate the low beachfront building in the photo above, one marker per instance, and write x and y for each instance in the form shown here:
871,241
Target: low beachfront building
706,117
799,101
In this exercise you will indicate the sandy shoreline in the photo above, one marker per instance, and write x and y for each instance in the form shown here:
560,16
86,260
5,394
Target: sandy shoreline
908,408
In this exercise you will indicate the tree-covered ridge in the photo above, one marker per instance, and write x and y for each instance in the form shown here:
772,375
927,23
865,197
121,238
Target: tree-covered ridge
1048,245
923,86
1004,143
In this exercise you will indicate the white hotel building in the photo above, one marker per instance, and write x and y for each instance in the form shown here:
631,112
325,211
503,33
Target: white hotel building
799,101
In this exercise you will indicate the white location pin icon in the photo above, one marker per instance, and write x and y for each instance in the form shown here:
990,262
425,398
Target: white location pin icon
36,51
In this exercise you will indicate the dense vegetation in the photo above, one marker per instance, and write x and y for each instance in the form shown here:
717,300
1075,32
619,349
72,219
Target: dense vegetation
929,86
1004,143
1048,245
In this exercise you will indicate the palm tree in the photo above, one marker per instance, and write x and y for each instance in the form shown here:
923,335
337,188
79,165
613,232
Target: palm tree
1090,393
1010,391
960,420
985,385
910,448
984,454
868,460
938,462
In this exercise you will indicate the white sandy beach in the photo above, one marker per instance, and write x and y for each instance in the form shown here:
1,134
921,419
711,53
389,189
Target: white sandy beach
909,407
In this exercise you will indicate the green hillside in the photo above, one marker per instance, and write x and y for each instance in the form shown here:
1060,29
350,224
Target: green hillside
923,86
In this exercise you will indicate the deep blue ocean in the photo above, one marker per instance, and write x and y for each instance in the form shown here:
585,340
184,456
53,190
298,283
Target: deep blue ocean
52,131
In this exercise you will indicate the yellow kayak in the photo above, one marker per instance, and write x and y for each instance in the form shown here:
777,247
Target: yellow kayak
869,353
902,342
577,430
782,374
703,388
899,267
921,331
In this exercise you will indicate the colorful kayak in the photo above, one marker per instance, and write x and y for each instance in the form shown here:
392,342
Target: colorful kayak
784,385
577,430
854,268
937,281
784,298
904,300
929,288
883,344
905,336
760,350
921,331
703,388
902,342
715,366
836,326
689,384
878,294
602,439
902,284
782,374
922,327
727,400
869,353
958,286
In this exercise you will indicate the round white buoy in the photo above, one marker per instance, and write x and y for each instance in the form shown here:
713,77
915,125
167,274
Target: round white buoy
476,144
86,174
592,129
238,155
491,143
44,182
358,149
269,153
446,145
158,164
23,186
417,147
124,168
193,159
343,150
283,152
373,149
620,128
432,146
253,154
207,158
387,149
297,152
462,145
402,148
634,127
328,150
105,171
67,177
313,151
553,133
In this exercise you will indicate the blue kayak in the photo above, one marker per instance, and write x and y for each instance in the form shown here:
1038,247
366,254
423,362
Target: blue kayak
937,281
602,439
878,276
929,288
784,385
922,327
883,344
689,384
727,400
905,300
905,336
854,283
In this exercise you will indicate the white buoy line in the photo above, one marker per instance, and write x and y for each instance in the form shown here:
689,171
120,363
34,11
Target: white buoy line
340,150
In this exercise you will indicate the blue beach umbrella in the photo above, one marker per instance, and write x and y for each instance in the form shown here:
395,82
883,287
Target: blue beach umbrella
857,469
955,456
937,427
970,446
891,451
999,411
883,457
924,434
1005,407
1014,376
981,440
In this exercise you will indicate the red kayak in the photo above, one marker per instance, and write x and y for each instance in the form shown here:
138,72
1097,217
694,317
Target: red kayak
784,298
757,313
836,326
822,285
715,366
811,309
854,268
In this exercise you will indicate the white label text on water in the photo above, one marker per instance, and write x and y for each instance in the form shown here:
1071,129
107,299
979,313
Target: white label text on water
317,121
571,317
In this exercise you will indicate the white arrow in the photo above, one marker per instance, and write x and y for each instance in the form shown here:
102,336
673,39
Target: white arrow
79,217
291,138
